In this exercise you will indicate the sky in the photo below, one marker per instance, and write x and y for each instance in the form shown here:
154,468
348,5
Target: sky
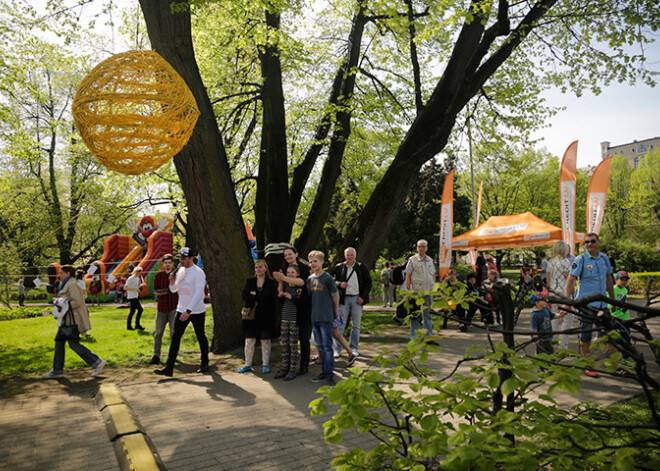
620,114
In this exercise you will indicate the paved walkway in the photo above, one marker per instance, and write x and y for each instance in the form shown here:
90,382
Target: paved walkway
219,421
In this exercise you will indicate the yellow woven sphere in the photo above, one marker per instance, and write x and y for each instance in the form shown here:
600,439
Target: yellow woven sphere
134,112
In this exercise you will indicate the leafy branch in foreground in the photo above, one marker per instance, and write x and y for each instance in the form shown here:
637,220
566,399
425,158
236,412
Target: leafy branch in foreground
498,410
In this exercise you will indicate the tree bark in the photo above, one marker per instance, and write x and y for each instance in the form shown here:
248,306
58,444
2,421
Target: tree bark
272,224
204,173
341,133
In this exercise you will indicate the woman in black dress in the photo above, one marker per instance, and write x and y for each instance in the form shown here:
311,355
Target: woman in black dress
262,292
304,319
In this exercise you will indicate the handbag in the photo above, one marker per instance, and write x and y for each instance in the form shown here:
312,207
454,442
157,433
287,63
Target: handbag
247,313
67,331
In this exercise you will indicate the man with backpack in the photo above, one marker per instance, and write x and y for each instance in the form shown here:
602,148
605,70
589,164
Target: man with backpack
388,289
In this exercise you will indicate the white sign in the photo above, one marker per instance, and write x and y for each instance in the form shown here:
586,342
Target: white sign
37,282
488,231
92,269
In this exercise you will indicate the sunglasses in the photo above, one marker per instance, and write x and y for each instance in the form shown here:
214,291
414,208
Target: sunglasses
590,241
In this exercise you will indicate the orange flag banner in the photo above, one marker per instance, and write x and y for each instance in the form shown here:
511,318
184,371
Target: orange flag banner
446,225
567,178
597,195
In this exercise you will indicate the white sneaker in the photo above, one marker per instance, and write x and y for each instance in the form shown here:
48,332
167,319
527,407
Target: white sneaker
52,375
98,368
336,355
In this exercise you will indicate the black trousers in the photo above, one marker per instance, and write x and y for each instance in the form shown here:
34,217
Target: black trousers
179,329
135,306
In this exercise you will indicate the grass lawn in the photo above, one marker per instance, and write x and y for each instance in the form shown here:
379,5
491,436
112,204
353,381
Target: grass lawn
26,345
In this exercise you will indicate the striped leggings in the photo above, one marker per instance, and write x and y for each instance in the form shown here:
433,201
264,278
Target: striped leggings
289,343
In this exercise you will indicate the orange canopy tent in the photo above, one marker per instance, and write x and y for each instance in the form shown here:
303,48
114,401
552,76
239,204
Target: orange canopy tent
507,232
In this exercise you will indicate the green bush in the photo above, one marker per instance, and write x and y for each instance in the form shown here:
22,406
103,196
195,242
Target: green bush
634,257
638,282
25,312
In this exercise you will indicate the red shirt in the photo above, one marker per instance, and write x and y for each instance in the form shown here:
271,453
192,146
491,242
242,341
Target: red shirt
166,302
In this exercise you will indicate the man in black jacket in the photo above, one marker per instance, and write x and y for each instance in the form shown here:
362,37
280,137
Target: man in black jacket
354,282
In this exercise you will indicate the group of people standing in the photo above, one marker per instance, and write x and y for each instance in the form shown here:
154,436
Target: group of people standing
318,306
311,300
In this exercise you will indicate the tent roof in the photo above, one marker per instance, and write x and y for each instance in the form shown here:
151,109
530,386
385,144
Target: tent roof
506,232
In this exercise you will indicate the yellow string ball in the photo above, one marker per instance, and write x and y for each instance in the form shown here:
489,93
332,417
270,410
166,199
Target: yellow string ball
134,112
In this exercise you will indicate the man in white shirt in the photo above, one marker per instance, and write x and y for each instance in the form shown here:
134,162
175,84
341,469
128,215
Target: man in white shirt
189,282
420,277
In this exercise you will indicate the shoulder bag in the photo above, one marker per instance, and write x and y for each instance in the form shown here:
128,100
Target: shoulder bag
247,313
67,332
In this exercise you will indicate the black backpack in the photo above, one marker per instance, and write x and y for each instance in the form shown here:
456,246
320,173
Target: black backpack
396,276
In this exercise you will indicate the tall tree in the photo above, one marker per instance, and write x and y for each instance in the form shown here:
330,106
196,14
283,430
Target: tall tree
204,173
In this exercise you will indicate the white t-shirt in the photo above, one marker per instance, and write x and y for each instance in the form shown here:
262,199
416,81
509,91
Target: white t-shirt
353,288
132,287
190,283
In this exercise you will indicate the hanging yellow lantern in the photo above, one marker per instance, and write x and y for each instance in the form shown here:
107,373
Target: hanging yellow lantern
134,112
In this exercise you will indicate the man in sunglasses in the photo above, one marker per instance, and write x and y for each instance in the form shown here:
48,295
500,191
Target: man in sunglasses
594,271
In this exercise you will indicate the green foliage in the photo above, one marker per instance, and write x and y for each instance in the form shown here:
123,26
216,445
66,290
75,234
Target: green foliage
426,423
24,312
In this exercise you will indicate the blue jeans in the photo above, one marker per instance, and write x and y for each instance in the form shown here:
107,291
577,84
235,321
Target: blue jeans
323,337
428,320
92,359
354,310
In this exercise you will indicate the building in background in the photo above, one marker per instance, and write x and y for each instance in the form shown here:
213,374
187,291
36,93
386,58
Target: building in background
633,151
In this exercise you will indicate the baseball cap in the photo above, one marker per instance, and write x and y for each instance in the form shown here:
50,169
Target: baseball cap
622,274
184,252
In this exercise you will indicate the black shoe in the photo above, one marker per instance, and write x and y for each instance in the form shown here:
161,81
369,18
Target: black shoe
129,328
155,360
302,372
281,374
167,371
319,379
139,327
351,360
203,368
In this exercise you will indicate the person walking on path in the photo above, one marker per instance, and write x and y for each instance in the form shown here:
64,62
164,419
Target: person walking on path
259,292
166,304
77,314
354,282
594,271
189,282
420,277
557,272
133,286
325,309
21,293
303,314
388,288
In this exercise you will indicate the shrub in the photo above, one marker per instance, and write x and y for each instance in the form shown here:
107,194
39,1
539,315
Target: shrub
25,312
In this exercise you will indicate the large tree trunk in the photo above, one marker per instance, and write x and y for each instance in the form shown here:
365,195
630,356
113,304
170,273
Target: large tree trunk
341,133
204,173
273,222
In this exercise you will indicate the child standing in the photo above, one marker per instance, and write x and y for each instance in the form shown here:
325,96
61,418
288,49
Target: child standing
289,326
325,309
620,314
541,325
